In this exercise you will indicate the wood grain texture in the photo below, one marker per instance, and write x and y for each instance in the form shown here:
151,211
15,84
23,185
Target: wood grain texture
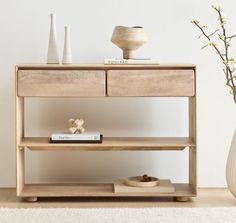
102,66
182,199
19,119
113,144
64,83
20,173
31,199
193,151
94,190
81,80
19,114
150,83
207,197
20,155
193,134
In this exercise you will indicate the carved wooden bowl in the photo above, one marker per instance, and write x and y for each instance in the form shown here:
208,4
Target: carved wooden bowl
129,39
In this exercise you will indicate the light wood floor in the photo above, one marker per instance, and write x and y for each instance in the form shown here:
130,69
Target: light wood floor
214,197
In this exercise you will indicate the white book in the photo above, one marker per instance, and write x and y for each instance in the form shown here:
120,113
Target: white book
84,136
131,61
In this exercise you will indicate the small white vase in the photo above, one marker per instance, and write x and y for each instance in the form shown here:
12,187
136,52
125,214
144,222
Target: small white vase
231,167
52,57
67,56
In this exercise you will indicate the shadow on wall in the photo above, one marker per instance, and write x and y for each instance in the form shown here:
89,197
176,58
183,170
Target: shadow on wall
64,167
112,117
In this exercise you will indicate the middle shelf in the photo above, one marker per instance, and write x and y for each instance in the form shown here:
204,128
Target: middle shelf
111,144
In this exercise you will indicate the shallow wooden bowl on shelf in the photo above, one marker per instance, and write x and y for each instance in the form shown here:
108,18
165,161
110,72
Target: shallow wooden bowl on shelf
136,181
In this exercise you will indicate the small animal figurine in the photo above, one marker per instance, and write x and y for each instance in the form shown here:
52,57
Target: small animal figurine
76,126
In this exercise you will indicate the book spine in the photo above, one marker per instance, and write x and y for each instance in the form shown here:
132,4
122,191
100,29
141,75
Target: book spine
113,61
76,141
130,61
58,137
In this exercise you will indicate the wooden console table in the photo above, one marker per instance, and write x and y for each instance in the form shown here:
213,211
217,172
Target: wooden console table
91,80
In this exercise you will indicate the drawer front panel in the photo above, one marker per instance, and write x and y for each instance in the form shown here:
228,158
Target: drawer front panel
150,82
46,83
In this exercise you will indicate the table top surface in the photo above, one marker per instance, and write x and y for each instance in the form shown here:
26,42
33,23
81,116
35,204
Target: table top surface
104,66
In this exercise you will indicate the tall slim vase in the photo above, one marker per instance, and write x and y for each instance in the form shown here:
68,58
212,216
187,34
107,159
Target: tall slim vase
52,57
67,56
231,167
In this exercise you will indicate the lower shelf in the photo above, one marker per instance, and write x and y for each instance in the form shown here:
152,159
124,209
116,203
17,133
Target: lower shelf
95,190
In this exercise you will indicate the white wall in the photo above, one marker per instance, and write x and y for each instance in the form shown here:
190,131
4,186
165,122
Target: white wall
24,32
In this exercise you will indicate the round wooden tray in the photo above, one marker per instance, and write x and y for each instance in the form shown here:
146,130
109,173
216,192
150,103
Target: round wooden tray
136,182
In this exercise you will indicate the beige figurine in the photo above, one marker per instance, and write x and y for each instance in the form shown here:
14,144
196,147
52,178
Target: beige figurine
76,126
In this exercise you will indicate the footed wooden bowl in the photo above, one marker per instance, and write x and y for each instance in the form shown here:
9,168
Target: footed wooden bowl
136,181
129,39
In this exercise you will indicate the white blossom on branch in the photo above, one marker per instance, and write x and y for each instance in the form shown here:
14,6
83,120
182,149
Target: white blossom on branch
224,55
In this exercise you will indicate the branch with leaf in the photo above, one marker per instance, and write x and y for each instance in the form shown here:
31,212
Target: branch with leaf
228,61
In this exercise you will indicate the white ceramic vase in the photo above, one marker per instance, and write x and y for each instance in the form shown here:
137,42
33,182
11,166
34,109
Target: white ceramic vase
231,167
129,39
67,56
52,57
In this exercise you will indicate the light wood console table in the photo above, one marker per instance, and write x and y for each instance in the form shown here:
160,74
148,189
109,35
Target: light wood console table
94,80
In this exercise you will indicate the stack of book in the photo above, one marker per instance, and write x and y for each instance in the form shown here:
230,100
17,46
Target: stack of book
88,137
131,61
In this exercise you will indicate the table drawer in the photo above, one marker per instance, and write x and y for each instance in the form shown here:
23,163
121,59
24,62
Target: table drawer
61,83
150,82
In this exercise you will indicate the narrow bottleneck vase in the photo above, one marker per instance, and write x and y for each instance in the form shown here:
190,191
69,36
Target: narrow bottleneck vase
67,56
52,57
231,167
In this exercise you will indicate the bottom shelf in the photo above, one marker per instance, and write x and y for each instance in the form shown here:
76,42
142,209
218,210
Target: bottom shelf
95,190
